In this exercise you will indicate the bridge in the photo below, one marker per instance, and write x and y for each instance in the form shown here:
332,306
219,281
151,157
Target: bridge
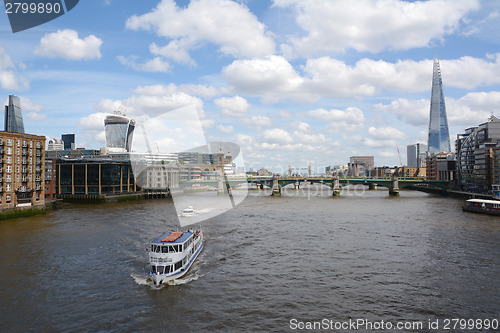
394,184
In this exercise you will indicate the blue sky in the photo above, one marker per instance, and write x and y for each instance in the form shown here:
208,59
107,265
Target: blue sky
292,82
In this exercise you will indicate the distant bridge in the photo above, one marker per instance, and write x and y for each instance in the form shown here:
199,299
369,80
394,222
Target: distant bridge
394,184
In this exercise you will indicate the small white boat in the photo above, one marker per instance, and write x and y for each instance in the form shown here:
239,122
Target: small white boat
188,212
172,255
490,207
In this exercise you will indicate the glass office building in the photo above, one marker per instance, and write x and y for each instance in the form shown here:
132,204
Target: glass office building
415,155
439,135
69,141
13,116
119,132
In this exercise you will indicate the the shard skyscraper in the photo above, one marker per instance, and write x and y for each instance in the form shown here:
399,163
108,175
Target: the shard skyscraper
439,135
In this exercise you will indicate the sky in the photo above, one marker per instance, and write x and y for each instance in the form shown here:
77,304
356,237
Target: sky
292,82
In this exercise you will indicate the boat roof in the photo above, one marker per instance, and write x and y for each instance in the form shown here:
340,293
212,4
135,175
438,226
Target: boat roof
185,235
493,202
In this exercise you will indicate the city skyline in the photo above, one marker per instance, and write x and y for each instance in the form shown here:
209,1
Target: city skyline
270,76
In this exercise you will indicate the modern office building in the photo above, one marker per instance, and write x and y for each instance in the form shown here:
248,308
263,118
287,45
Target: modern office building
415,155
13,116
476,151
55,144
119,131
360,166
93,176
69,141
441,166
22,164
439,135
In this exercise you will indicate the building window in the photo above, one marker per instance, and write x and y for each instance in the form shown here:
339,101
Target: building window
18,151
9,159
9,142
9,168
8,178
7,198
7,187
9,150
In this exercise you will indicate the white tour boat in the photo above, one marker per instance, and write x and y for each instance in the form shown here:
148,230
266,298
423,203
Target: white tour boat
188,212
171,255
491,207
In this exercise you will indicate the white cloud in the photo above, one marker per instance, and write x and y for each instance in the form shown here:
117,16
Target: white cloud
302,126
373,26
469,72
274,78
386,133
190,89
258,121
225,129
9,78
35,108
229,25
469,110
414,112
350,119
154,65
276,136
271,78
66,44
243,140
28,105
35,116
235,106
350,115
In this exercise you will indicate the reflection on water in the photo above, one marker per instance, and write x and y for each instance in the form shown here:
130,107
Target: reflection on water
271,259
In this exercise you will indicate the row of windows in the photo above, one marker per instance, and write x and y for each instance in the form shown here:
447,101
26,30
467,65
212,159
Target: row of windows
8,197
167,269
9,160
25,143
171,248
166,248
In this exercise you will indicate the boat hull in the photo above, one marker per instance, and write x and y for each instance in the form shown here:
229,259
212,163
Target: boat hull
165,278
479,210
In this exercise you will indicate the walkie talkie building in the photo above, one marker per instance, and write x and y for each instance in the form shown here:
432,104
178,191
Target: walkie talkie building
119,132
439,135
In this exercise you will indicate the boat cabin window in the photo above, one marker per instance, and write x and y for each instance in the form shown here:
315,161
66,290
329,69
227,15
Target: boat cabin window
168,248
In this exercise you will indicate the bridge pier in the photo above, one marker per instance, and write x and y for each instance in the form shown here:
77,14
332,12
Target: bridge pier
372,186
220,187
394,191
276,188
297,186
336,186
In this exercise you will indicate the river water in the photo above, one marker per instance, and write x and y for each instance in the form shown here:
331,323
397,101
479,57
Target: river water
270,264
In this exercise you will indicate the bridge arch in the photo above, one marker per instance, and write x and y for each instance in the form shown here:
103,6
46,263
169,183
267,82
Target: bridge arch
362,182
439,185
